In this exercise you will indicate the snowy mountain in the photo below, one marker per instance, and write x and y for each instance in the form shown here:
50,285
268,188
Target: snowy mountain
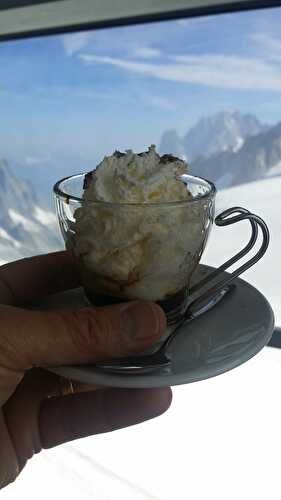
221,132
259,157
172,143
224,131
26,228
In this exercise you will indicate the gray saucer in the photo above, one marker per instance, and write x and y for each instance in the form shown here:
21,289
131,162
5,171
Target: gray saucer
219,340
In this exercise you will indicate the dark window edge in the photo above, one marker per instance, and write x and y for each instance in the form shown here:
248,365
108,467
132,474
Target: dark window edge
275,340
150,18
19,4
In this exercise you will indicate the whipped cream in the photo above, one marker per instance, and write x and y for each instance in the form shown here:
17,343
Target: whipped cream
137,178
140,246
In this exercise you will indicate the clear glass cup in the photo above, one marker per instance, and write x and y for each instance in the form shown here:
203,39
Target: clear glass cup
128,251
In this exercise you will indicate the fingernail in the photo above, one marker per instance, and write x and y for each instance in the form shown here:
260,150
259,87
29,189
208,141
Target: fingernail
143,320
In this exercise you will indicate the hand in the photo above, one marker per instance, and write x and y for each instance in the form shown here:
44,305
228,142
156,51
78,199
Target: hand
33,412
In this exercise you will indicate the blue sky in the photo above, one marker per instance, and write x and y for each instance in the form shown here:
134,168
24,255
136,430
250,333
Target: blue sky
69,100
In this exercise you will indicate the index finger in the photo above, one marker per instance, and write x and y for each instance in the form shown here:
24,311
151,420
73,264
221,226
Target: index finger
27,279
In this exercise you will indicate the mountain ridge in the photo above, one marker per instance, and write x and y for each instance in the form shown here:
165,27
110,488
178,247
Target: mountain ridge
259,155
222,131
26,227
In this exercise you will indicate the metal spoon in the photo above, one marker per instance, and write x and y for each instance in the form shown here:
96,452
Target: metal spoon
160,359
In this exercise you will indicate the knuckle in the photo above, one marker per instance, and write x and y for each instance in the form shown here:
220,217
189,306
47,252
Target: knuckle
89,329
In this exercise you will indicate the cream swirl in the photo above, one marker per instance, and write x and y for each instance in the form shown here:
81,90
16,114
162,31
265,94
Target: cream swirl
136,245
137,178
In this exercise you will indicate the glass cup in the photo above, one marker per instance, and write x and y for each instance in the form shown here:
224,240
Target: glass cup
147,251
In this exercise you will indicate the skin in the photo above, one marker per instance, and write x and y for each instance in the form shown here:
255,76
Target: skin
33,412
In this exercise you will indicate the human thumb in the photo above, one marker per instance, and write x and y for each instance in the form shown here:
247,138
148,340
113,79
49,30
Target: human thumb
53,338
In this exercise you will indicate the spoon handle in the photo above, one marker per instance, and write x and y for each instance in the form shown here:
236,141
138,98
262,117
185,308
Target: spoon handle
198,307
150,362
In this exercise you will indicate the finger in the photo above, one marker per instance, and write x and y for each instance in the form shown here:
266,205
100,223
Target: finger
26,279
9,468
21,412
19,435
77,416
55,338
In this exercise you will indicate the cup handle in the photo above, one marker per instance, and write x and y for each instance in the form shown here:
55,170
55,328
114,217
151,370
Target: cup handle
231,216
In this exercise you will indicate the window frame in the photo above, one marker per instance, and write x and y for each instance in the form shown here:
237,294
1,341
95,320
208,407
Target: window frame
25,18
